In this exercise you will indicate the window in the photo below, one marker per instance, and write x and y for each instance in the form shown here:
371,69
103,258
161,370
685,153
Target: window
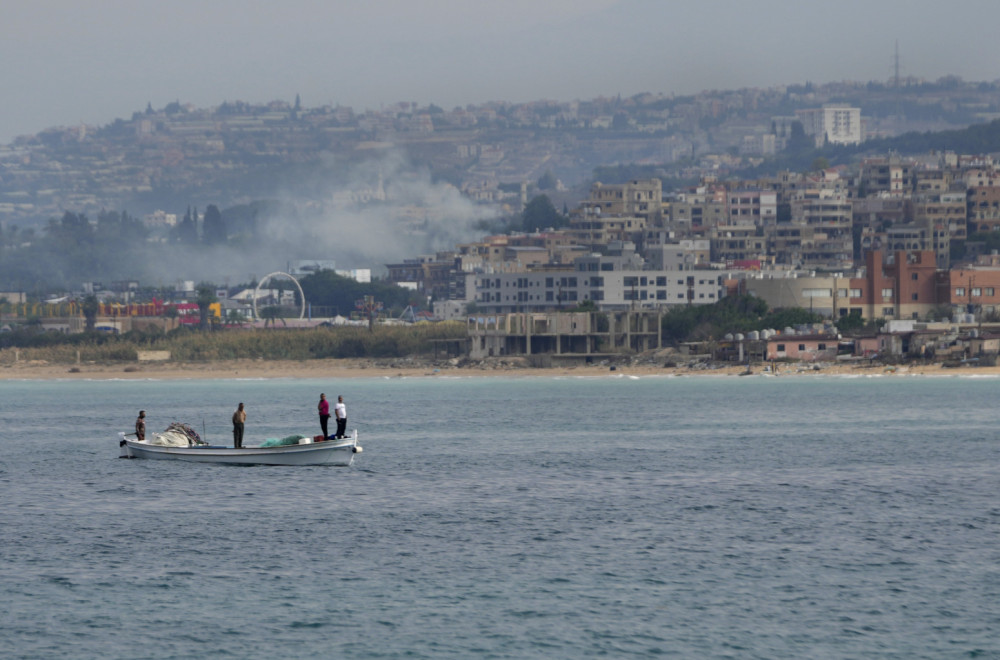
976,291
888,312
916,296
821,347
802,347
781,348
661,281
548,282
988,291
914,277
960,291
855,293
661,295
886,294
815,293
631,280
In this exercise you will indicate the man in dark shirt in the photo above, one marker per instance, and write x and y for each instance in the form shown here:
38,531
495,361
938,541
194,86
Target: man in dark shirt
239,419
140,426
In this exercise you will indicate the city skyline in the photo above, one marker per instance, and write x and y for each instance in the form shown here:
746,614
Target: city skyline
70,63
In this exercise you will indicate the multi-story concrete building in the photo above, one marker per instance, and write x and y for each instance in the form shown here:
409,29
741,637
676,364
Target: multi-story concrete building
983,208
892,176
640,198
902,285
943,218
827,295
685,254
738,242
610,290
758,207
970,290
594,229
832,124
828,213
612,282
687,215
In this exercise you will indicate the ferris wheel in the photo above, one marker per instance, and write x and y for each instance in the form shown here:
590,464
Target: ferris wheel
271,276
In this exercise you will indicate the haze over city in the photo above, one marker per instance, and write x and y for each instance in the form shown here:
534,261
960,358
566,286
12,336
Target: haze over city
69,63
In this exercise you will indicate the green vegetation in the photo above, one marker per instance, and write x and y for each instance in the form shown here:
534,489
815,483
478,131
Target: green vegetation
540,213
734,314
186,345
327,289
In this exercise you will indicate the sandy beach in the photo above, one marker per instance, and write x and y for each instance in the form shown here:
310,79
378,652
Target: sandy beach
40,370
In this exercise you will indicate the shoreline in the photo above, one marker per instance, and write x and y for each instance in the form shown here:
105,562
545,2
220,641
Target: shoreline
361,368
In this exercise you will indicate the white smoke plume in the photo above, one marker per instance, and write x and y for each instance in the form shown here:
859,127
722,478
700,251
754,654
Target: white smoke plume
383,211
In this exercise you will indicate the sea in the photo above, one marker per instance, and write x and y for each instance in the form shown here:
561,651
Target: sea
611,516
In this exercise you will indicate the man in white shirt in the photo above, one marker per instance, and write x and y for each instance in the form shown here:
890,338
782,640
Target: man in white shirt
341,411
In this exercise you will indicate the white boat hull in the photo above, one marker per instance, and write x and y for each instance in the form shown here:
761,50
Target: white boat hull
329,452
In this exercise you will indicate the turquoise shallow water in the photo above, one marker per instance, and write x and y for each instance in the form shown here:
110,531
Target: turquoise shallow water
700,517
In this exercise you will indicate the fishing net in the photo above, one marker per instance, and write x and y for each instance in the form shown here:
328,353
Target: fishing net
281,442
177,435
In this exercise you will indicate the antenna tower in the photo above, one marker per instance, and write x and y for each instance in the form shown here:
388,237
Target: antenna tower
895,78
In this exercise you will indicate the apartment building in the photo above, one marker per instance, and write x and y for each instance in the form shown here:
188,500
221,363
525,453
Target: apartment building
971,290
758,207
637,198
590,227
733,242
686,215
834,123
902,285
983,208
609,290
891,175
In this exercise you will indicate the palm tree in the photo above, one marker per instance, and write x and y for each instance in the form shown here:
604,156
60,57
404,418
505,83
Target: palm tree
234,317
206,296
90,307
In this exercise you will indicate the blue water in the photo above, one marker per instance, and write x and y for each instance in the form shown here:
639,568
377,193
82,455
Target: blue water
799,517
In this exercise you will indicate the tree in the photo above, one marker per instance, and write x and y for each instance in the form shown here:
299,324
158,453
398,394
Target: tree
205,296
235,317
213,227
539,213
187,230
90,307
547,181
585,306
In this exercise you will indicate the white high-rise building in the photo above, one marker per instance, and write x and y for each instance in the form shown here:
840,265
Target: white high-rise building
832,124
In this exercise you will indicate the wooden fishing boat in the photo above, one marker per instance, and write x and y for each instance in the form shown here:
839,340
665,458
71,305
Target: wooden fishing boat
307,452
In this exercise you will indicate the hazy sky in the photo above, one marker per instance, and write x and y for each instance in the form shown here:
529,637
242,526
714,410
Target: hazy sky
63,62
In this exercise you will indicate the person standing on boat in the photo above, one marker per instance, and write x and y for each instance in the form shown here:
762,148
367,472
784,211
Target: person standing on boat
324,415
239,419
341,411
140,426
